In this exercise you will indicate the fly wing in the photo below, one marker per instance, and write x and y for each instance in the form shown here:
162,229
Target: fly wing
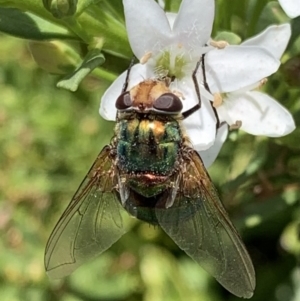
91,223
199,225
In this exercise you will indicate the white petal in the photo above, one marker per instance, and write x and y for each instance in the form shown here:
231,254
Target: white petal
259,113
147,26
138,73
187,89
291,7
161,3
201,126
235,67
193,24
274,39
209,156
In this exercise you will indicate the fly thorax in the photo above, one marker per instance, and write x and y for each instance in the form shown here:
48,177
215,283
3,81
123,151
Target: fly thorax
148,145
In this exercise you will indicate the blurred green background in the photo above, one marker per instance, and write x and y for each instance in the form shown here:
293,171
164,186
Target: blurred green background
48,140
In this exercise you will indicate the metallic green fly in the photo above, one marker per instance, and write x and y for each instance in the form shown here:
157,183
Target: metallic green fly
151,171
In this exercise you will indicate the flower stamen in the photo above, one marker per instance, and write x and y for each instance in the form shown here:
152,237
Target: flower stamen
218,100
219,44
145,58
236,125
262,83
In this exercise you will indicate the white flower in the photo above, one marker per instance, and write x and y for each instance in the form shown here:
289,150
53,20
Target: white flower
291,7
169,47
258,113
172,45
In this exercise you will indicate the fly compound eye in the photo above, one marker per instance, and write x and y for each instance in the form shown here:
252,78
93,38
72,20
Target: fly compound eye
124,101
168,102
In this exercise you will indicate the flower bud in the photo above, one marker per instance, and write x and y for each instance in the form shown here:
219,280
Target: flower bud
61,8
55,57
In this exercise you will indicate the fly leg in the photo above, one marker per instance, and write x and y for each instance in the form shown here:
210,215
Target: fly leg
125,86
198,105
197,88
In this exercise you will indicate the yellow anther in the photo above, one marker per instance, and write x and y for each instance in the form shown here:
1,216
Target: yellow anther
262,83
218,100
236,125
145,58
219,44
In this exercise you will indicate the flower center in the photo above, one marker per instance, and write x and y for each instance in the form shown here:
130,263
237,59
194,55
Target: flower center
173,62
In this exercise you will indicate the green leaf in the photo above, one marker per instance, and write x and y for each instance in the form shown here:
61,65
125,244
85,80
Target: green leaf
114,7
28,26
84,4
56,57
93,59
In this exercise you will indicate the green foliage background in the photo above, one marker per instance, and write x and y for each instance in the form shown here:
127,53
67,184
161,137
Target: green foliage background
49,138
